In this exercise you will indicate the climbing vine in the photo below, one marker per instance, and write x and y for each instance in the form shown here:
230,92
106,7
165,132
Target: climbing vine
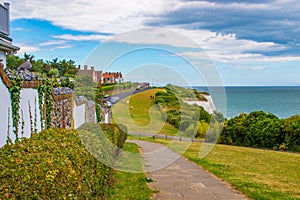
48,102
41,91
22,124
45,99
98,113
35,117
8,140
15,91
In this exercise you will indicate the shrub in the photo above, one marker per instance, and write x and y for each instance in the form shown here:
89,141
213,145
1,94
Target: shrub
54,164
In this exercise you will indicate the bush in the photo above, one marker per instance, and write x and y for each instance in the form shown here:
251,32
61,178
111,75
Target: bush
258,129
53,164
292,133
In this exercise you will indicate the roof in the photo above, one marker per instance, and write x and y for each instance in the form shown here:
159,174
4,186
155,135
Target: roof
8,47
111,75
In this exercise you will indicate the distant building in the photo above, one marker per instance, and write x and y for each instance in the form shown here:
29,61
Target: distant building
6,47
96,75
142,86
112,77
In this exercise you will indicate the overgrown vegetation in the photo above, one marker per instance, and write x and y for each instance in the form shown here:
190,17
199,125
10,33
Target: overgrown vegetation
191,119
259,129
54,164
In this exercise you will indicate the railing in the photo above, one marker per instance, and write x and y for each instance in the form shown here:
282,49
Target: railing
4,19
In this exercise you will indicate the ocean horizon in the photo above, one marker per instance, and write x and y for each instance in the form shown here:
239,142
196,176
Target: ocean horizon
283,101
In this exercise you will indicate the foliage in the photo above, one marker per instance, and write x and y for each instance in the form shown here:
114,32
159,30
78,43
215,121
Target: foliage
182,116
84,86
258,129
291,129
15,91
54,164
8,139
48,102
60,67
53,72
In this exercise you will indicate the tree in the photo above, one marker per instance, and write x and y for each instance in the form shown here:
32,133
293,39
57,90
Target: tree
53,72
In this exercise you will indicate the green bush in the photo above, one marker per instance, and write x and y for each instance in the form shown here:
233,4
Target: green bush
258,129
292,133
54,164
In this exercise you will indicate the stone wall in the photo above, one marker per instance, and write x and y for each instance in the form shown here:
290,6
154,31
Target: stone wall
62,114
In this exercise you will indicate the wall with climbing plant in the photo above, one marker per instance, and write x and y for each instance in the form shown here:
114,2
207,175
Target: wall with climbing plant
5,116
27,107
28,118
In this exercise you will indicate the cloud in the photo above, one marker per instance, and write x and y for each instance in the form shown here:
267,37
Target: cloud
24,48
227,30
92,37
246,67
52,42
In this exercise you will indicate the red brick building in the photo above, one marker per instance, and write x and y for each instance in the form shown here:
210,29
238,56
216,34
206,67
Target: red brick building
112,77
107,77
96,75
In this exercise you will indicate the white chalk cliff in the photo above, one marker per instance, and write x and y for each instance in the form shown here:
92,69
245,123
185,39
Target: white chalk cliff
207,105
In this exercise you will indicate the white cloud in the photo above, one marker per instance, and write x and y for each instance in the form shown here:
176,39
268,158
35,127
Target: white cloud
53,42
24,48
92,37
116,17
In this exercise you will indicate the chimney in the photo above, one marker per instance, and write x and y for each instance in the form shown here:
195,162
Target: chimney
85,67
92,68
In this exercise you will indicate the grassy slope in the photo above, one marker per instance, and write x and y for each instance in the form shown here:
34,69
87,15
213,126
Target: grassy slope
260,174
142,115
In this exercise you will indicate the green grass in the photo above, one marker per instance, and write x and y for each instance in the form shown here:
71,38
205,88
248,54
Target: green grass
141,114
131,185
260,174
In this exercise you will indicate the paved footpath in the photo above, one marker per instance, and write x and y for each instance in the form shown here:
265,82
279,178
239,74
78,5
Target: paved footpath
178,178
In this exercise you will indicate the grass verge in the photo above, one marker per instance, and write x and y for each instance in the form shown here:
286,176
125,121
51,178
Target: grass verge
260,174
128,185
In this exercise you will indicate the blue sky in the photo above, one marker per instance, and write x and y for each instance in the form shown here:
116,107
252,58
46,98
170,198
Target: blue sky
249,42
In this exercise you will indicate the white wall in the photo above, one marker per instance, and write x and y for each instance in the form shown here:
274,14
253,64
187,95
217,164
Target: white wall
28,94
3,57
5,104
79,115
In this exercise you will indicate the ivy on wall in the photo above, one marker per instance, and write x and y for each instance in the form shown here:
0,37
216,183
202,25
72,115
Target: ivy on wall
15,91
41,91
48,102
45,99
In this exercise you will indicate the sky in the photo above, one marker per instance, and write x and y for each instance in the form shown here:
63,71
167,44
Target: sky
247,42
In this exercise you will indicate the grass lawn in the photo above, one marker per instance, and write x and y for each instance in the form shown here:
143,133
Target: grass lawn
260,174
142,114
131,185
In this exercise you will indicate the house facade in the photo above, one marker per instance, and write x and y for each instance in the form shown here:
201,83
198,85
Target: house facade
96,75
107,77
6,46
112,77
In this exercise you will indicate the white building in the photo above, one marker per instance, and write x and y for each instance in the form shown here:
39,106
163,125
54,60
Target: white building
6,46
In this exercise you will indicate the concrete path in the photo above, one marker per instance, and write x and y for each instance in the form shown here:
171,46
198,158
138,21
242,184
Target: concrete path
177,178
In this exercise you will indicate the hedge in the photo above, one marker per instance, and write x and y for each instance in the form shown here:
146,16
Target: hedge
54,164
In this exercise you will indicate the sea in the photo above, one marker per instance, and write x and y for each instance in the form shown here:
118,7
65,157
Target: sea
283,101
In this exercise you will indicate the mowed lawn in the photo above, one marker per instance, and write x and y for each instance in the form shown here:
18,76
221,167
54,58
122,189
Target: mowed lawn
142,114
260,174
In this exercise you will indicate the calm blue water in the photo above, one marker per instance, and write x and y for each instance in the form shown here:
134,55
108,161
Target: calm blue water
283,101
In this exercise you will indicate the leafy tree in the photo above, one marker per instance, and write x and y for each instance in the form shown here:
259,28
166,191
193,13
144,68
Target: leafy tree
292,133
53,72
